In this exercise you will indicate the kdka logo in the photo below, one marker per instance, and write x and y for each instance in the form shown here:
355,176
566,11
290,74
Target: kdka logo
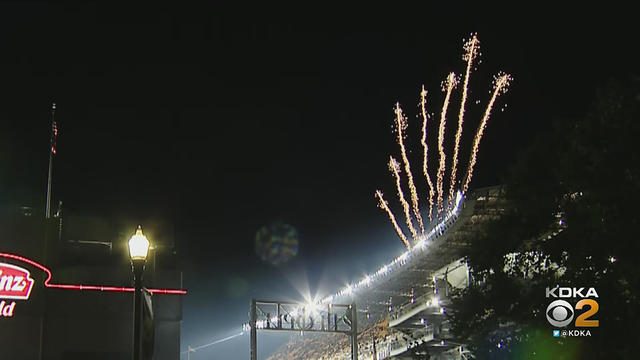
560,313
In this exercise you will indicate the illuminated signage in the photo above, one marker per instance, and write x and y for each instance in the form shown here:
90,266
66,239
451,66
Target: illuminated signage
22,288
15,284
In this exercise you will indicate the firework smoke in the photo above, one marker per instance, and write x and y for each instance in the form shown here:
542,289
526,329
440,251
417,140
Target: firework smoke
401,123
425,117
394,167
501,85
471,48
382,204
448,86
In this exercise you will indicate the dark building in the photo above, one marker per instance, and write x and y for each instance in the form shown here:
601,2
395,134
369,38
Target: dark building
70,321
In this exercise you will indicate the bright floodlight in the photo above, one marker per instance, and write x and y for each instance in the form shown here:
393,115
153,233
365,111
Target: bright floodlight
138,246
313,307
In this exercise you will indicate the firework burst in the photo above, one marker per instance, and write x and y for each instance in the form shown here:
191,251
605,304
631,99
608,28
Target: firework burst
500,86
401,124
382,204
425,117
448,86
394,167
472,49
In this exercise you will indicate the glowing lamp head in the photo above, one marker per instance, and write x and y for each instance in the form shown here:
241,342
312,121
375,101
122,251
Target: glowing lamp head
138,246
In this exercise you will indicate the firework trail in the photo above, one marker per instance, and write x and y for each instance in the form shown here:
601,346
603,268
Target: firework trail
471,48
423,106
448,86
385,206
401,123
501,85
394,167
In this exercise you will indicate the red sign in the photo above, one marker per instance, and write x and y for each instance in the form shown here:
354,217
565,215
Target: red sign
15,282
10,289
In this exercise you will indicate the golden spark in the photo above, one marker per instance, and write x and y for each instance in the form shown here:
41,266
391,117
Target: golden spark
394,167
501,85
382,204
471,47
425,117
401,124
448,86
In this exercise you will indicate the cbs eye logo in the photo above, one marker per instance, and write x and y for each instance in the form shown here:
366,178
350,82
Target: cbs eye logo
560,313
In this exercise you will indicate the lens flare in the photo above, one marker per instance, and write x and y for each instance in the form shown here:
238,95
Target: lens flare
401,124
472,49
277,243
394,167
448,86
425,117
501,85
382,204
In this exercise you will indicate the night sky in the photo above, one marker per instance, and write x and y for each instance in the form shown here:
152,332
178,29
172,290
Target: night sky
222,120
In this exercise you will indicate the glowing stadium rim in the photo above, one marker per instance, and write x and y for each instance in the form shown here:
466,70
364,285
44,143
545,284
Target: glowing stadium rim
367,280
400,260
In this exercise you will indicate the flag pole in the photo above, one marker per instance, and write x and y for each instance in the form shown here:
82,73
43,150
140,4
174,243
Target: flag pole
52,151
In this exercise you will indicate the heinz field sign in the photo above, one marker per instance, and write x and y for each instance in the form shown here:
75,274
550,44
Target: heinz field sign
15,284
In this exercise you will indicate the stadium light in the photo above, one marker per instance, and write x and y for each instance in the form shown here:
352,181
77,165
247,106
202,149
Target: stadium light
312,307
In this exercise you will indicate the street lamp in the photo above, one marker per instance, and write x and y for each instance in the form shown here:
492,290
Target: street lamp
138,250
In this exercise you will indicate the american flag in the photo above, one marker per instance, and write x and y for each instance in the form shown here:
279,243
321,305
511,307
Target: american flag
54,129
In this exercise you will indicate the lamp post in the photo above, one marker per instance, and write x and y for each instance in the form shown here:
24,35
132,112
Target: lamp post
138,250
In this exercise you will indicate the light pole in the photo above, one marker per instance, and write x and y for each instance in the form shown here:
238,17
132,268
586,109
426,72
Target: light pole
138,250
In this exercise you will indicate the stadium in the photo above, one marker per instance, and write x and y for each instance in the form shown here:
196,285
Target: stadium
402,308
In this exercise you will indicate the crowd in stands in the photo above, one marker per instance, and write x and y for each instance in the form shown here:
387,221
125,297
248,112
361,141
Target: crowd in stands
327,346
